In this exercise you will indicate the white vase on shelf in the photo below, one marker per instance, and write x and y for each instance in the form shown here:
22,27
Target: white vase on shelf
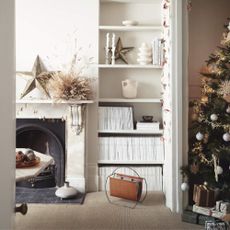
144,54
129,88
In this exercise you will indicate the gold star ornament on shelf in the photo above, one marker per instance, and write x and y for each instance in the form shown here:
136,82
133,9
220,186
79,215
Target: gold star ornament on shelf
121,51
38,78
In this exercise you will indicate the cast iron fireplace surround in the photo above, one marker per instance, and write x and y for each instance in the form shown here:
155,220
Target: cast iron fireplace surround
46,136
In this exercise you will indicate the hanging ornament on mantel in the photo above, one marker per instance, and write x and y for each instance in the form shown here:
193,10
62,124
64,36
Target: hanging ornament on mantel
228,109
199,136
226,137
213,117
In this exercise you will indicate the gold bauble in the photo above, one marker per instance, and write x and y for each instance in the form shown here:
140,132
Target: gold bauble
227,97
194,117
194,168
206,136
204,99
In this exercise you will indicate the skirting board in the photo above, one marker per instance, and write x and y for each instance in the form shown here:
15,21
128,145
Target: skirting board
77,182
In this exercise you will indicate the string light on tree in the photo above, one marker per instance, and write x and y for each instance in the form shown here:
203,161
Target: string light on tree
206,183
199,136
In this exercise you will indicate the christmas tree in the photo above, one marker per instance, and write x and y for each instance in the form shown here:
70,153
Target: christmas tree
209,132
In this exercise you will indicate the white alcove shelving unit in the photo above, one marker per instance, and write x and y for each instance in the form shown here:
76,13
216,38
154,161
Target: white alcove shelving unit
148,102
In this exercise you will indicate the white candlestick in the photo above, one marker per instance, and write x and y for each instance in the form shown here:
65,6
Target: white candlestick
107,40
113,40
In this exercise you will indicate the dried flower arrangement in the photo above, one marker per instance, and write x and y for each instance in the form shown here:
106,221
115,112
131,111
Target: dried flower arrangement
71,83
68,86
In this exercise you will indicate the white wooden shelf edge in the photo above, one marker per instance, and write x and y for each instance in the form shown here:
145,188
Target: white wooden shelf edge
127,66
141,100
132,1
40,101
130,28
130,162
132,131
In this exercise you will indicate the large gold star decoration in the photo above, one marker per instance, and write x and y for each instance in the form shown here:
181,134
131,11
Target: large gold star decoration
120,51
38,79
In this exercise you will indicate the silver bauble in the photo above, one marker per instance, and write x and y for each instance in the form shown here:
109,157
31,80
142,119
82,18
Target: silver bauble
199,136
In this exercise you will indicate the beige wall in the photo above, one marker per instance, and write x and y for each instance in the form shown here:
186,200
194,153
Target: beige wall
206,21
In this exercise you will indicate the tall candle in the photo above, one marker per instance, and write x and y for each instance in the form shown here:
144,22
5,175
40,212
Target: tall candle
113,40
107,40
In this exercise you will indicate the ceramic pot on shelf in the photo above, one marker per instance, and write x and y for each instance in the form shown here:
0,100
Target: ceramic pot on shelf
144,54
129,88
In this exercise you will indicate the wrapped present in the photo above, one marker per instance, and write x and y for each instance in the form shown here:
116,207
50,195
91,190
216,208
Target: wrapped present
189,217
203,196
203,218
216,225
207,211
223,207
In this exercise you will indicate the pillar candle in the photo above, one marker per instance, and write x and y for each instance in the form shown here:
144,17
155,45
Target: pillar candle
113,40
107,40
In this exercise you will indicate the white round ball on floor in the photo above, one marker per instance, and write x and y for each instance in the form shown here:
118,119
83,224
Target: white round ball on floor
199,136
184,186
226,137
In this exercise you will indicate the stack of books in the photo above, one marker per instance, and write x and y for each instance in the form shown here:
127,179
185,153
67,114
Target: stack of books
148,126
131,148
115,118
157,52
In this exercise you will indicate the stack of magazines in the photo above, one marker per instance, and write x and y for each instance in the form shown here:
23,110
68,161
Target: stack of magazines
152,174
157,52
148,126
131,148
115,118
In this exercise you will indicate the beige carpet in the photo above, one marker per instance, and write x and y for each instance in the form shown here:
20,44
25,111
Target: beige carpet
96,213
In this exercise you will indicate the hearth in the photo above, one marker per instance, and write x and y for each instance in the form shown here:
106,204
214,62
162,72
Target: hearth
48,137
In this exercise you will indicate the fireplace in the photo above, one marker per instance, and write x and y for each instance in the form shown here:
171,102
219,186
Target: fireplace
48,137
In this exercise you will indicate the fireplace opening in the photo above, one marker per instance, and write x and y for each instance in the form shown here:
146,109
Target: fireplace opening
46,136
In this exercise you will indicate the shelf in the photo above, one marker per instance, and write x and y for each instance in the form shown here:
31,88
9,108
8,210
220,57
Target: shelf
139,162
129,66
130,28
158,132
135,100
40,101
131,1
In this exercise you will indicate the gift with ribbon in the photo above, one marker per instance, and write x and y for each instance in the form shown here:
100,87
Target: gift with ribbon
223,207
203,196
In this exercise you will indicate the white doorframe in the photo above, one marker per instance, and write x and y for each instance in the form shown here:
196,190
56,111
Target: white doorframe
7,121
177,108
